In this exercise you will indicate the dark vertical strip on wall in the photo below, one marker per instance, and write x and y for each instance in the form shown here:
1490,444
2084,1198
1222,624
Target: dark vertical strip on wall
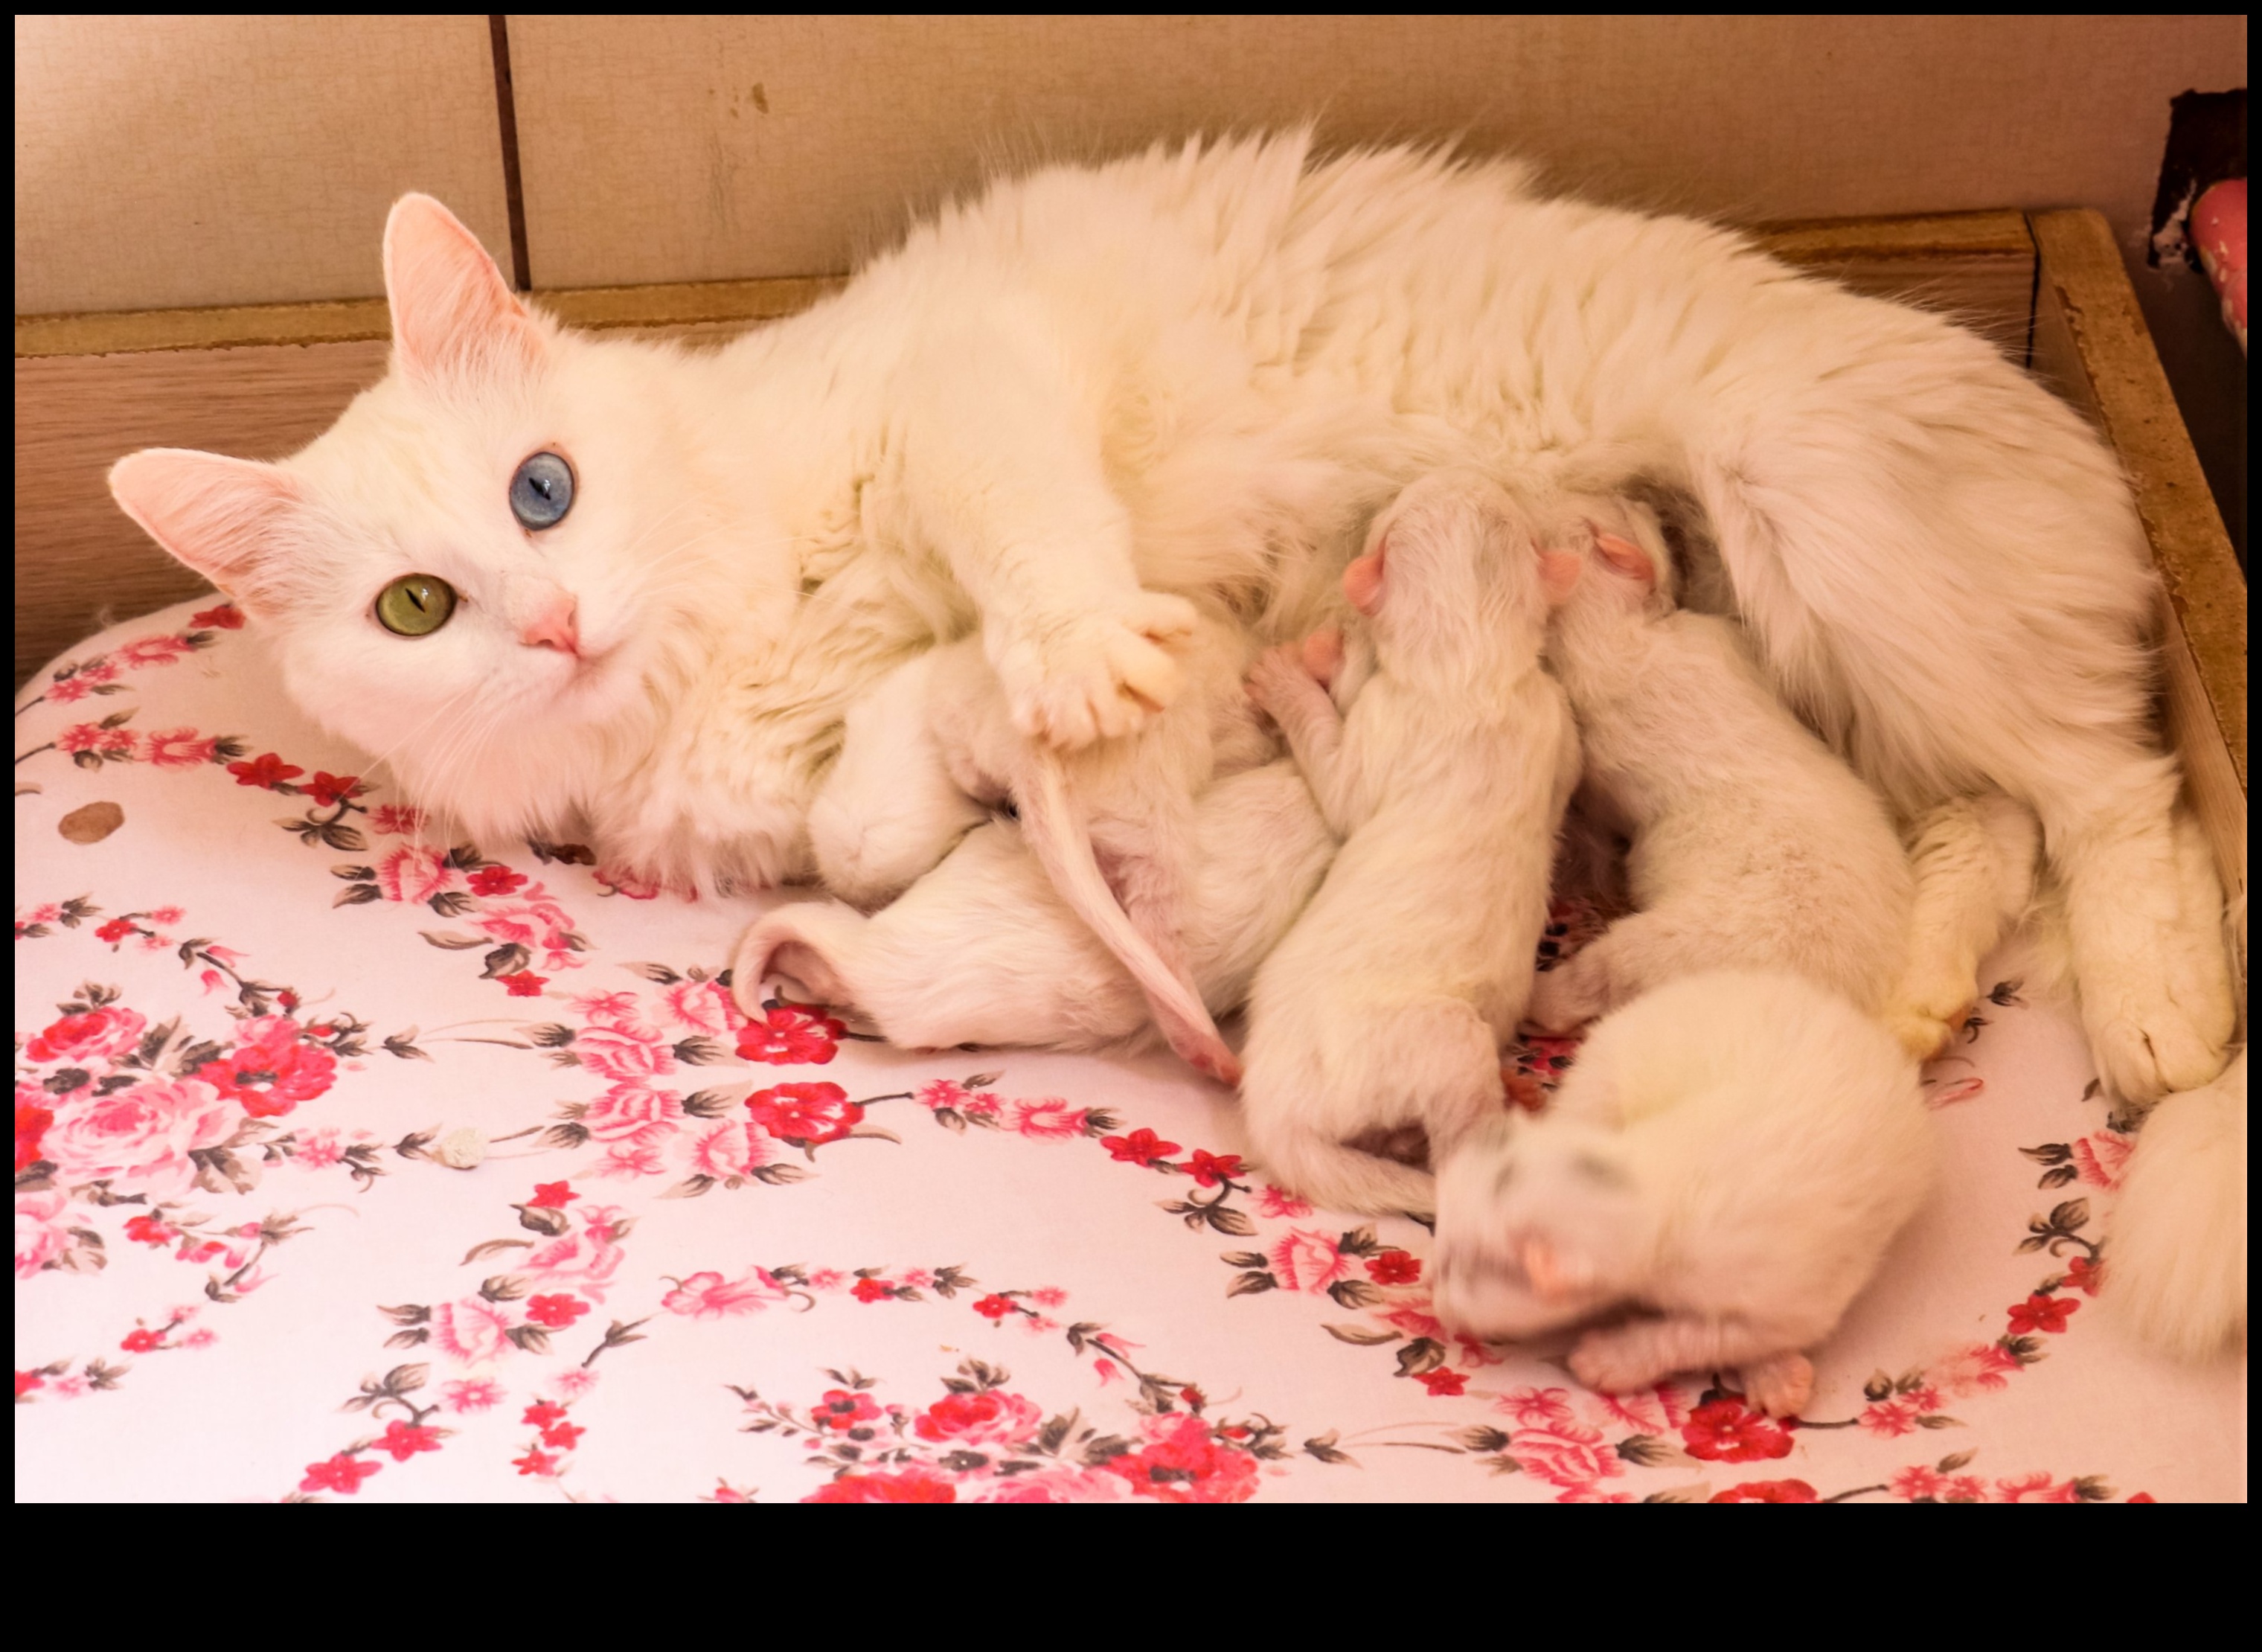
507,113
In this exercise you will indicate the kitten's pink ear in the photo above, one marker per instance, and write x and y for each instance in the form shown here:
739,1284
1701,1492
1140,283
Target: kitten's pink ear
224,517
1627,559
451,308
1553,1275
1362,580
1323,656
1559,575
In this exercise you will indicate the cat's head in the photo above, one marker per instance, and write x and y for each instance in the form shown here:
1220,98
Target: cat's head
1541,1223
479,572
1452,570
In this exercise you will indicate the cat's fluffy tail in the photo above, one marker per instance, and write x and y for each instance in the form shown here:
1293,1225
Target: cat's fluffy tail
2176,1269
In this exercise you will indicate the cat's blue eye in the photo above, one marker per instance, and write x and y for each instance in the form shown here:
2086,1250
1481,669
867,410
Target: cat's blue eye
542,491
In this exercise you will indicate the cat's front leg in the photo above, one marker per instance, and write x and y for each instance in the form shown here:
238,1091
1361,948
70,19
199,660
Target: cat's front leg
1003,463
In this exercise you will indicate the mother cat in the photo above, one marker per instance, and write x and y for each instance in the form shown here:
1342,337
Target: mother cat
1199,370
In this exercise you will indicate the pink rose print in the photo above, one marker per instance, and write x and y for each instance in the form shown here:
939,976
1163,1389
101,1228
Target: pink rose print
790,1035
625,1161
180,748
474,1393
1724,1432
1308,1261
590,1255
32,1122
472,1332
143,1133
806,1114
1281,1206
1659,1411
2043,1312
1061,1485
396,821
343,1473
1051,1119
912,1485
267,769
731,1150
226,616
41,1234
412,873
271,1070
1767,1491
2038,1488
631,1112
2102,1158
1572,1457
978,1419
841,1411
538,923
496,880
711,1297
1537,1408
93,1035
611,1053
701,1007
1983,1367
1183,1464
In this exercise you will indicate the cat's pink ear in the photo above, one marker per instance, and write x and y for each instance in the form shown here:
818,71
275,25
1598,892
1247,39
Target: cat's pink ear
1626,559
452,311
226,518
1553,1275
1362,580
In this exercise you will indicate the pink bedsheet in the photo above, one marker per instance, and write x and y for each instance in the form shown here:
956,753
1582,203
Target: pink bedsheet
353,1162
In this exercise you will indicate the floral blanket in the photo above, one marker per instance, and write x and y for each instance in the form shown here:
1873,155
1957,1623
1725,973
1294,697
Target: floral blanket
355,1163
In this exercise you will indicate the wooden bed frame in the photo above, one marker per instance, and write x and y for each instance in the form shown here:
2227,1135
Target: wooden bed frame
261,381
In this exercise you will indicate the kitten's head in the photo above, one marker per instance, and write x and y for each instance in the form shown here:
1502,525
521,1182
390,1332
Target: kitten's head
1625,565
1452,570
477,571
1540,1224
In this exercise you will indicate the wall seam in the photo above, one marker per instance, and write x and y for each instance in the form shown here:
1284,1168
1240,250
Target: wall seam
507,118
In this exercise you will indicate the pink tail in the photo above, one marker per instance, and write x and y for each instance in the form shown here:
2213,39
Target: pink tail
1054,827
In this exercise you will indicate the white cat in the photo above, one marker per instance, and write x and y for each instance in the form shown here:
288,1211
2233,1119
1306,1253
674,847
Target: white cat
983,950
1731,1156
1387,1003
1197,368
1752,843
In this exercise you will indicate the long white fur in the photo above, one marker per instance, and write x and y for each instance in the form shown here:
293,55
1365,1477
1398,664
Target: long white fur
1731,1156
1386,1005
1973,860
2175,1255
984,950
1197,370
1751,840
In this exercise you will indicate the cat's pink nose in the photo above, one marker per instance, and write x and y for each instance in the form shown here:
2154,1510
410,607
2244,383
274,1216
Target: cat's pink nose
553,628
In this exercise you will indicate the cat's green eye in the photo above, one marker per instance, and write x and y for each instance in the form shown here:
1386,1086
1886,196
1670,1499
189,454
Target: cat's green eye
415,605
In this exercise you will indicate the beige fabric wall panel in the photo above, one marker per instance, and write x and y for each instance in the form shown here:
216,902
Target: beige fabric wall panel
172,160
693,148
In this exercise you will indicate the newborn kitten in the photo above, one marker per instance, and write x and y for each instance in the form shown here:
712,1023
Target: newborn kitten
1732,1155
1386,1004
1752,843
983,950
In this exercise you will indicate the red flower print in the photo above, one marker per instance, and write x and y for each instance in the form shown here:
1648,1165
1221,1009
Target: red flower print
116,929
2142,1497
327,789
1918,1484
535,1462
524,982
1194,1397
149,1231
267,769
86,1037
1888,1419
807,1114
1444,1382
977,1420
1209,1169
557,1312
873,1291
1308,1261
31,1121
226,616
496,880
994,1307
1183,1464
26,1381
1140,1147
2041,1311
788,1036
342,1473
396,821
1724,1432
2085,1275
912,1485
1393,1267
63,691
79,736
562,1436
1768,1491
542,1413
553,1195
404,1440
117,742
272,1070
143,1341
181,748
841,1409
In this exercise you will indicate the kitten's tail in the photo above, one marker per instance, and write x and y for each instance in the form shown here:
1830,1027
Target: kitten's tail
1054,827
2175,1270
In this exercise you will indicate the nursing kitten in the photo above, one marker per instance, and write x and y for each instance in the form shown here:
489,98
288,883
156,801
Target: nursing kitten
1385,1005
1752,843
1196,369
1731,1156
984,950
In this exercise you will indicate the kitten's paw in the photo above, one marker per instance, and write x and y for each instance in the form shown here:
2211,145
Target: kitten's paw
1278,678
1097,676
1617,1361
1780,1385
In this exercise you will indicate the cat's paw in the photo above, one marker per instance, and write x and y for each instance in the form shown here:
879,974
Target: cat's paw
2147,1041
1924,1035
1095,676
1781,1385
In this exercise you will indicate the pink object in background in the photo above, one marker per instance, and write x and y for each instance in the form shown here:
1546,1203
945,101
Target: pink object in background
2218,229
